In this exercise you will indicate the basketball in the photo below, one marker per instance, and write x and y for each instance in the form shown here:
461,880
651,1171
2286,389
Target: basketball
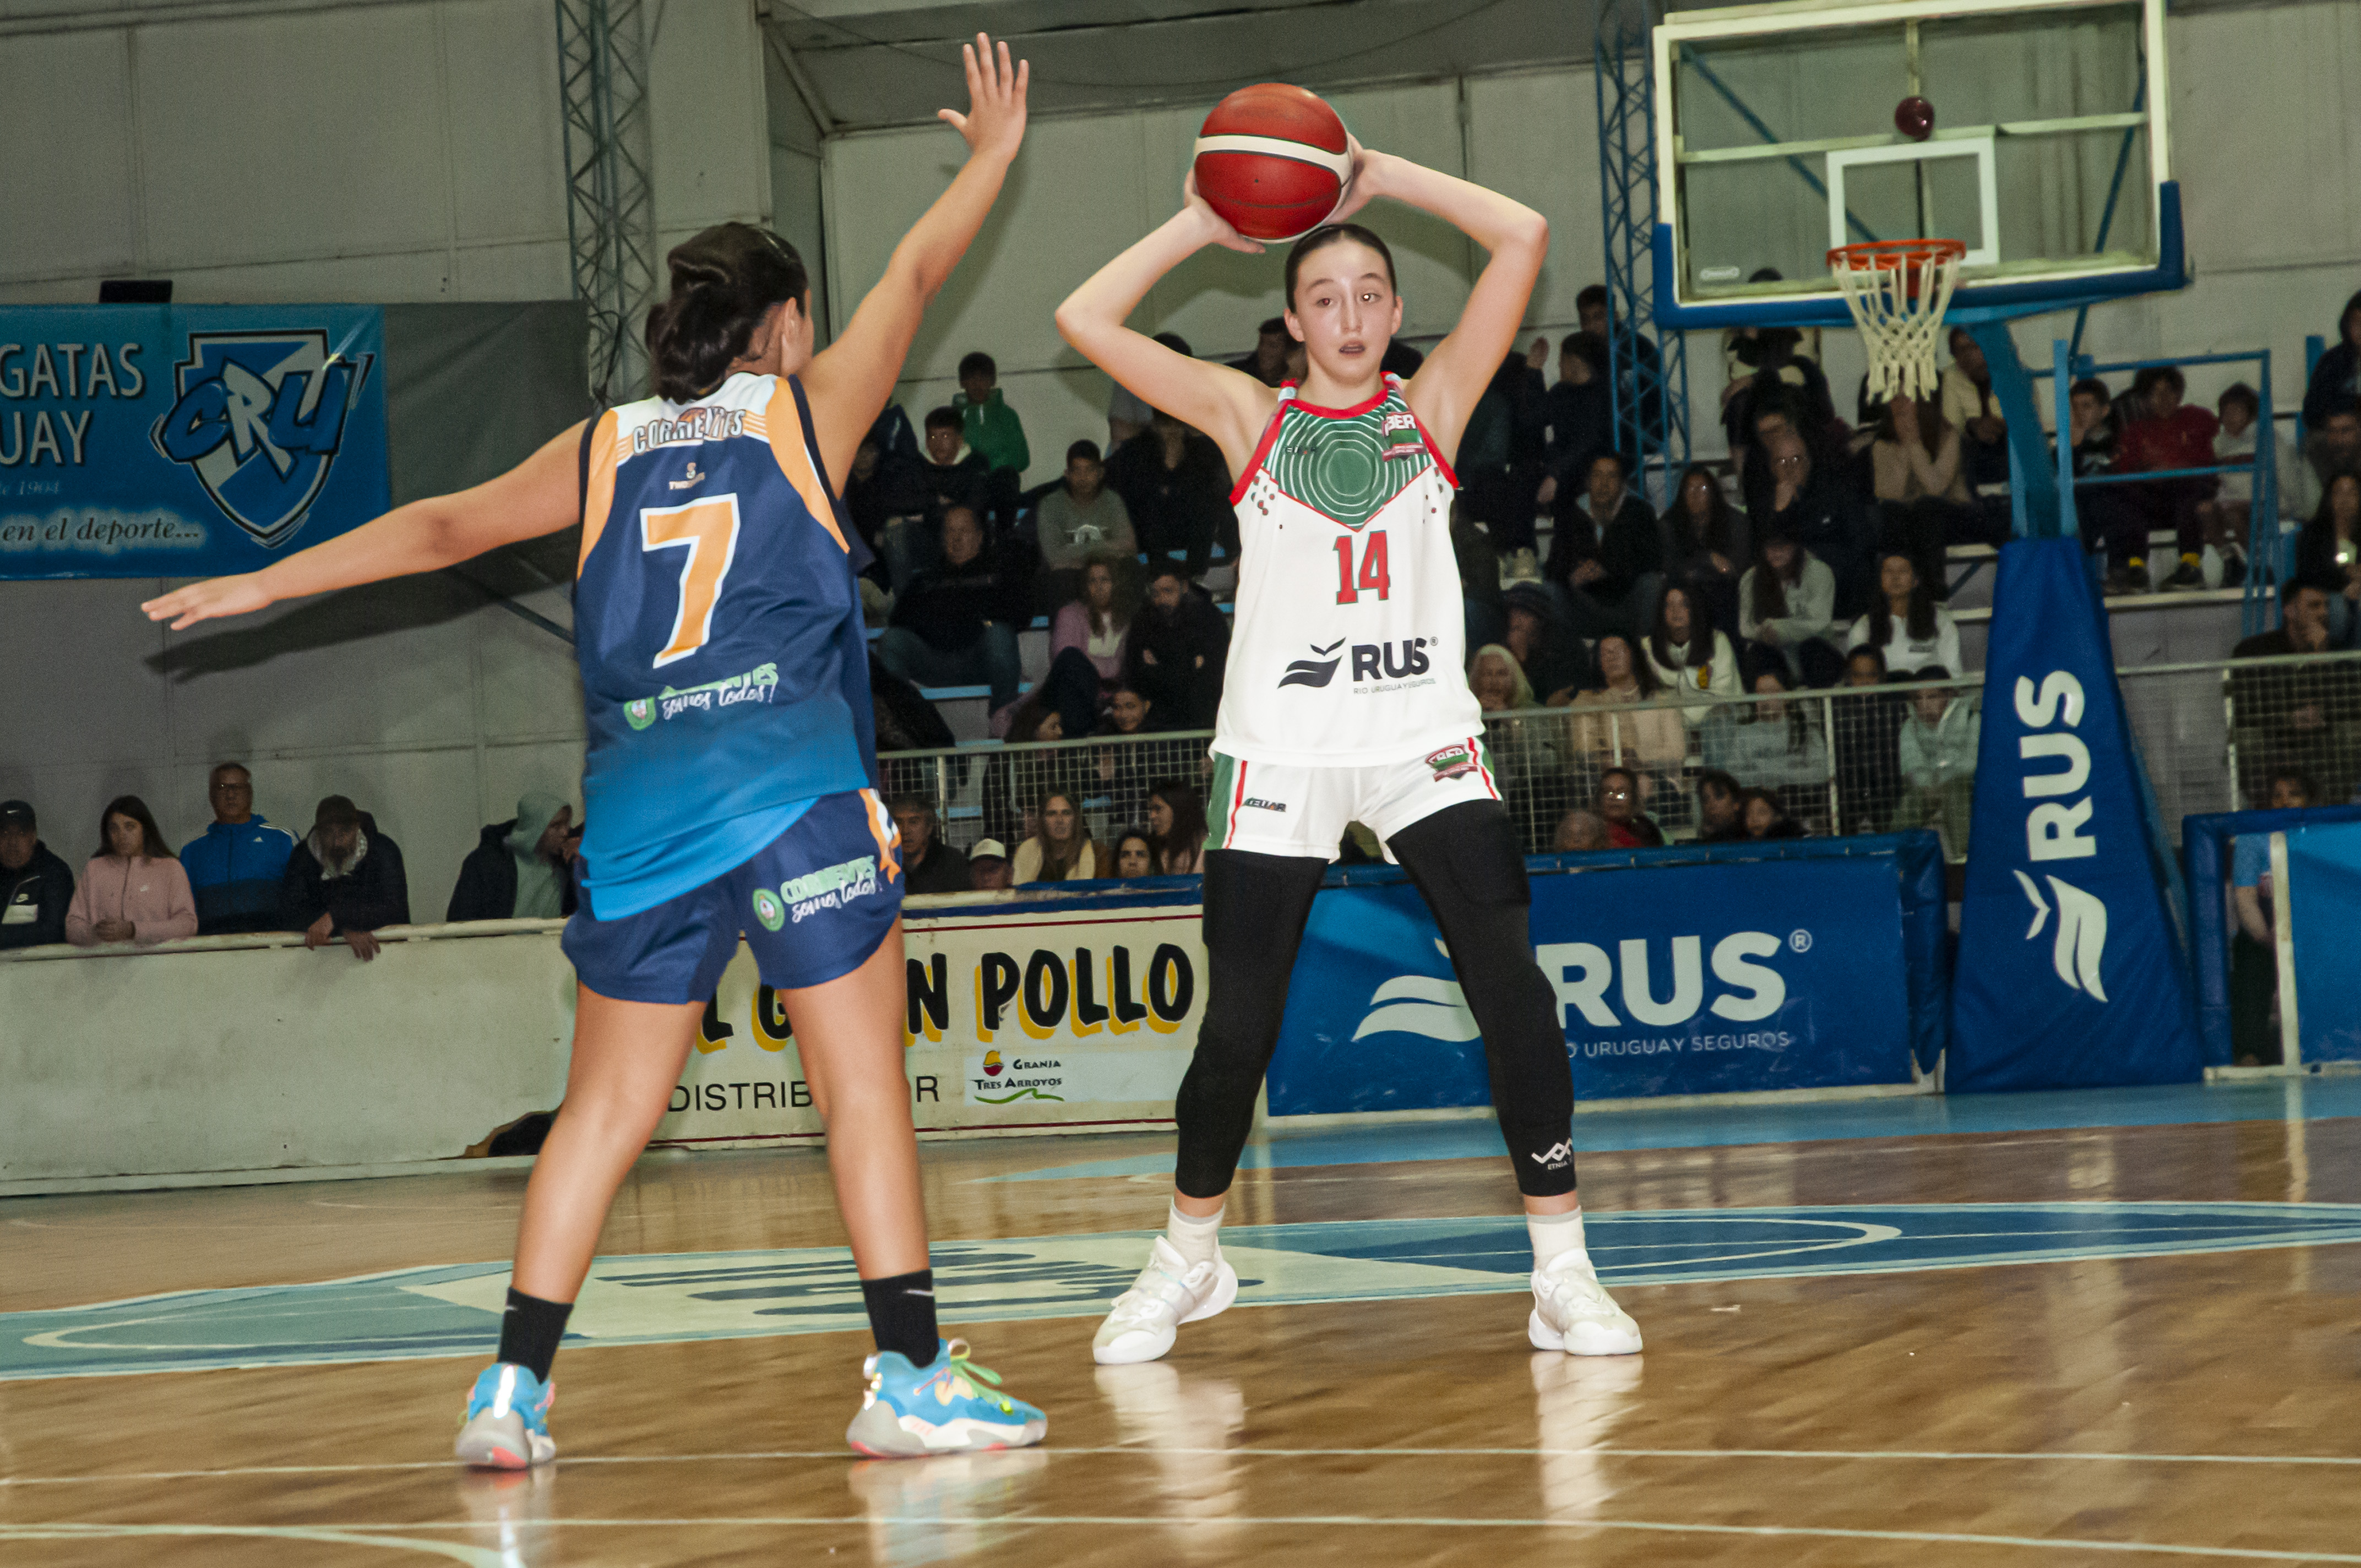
1272,160
1915,118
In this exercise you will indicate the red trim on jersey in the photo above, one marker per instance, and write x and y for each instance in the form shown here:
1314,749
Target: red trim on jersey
1237,801
1261,451
1476,750
1386,384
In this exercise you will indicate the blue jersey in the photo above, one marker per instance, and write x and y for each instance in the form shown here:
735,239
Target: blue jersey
725,670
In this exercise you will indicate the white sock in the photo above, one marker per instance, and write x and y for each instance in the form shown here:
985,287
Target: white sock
1195,1240
1555,1235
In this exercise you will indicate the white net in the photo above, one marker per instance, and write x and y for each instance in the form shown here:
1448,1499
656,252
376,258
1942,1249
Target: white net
1897,294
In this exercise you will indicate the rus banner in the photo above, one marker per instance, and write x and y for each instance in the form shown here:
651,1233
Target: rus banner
1044,1011
141,441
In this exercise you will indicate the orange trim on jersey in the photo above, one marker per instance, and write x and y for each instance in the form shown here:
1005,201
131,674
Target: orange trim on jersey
598,491
786,430
882,828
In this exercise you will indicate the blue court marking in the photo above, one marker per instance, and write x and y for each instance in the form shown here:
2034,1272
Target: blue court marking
1719,1126
662,1298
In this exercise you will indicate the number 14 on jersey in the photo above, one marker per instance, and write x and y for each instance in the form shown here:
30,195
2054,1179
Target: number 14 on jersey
1371,577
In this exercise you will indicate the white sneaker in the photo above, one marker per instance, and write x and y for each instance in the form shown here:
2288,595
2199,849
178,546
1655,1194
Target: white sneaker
1169,1292
1572,1312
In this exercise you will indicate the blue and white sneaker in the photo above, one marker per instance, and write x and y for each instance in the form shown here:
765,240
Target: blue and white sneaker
507,1423
949,1405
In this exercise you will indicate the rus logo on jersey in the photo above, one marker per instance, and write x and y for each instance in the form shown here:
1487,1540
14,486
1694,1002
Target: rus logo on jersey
260,419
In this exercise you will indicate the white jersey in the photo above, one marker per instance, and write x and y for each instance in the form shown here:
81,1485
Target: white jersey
1350,643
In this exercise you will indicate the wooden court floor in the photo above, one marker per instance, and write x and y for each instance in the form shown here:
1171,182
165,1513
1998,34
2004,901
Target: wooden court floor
2203,1404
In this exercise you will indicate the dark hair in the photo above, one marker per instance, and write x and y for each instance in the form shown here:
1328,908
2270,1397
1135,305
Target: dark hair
1715,779
1608,455
1799,731
1922,603
1124,569
1643,672
1591,347
723,281
1275,326
2340,406
1779,817
2317,582
1770,586
2151,377
1932,425
2242,395
1188,835
2092,386
1612,771
1872,651
1933,673
152,843
1056,867
1146,842
335,811
978,364
2296,776
945,418
1088,451
2324,515
1719,521
1324,237
1176,343
1701,631
909,800
1596,294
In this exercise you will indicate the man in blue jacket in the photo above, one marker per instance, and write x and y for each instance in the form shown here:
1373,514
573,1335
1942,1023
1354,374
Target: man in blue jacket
235,867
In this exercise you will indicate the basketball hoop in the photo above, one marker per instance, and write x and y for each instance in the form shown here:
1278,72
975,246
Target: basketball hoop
1897,290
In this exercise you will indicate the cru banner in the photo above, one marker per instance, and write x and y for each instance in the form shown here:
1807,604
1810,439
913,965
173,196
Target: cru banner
1017,1017
2068,974
161,441
1684,978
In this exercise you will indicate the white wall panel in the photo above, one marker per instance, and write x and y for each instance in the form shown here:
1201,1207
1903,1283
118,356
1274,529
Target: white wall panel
506,140
65,153
711,129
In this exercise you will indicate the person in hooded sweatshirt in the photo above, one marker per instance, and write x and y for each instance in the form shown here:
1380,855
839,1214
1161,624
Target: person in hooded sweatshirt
2337,379
36,887
345,880
1936,750
521,868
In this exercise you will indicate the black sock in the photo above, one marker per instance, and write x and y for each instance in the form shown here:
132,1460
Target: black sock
902,1314
530,1330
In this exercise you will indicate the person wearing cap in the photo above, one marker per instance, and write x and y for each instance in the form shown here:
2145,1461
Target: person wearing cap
236,864
929,864
521,868
344,880
36,887
987,866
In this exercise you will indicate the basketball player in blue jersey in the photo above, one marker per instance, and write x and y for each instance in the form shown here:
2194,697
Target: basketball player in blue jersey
1343,700
730,774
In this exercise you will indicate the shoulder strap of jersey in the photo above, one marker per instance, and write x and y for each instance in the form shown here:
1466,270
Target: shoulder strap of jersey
1262,447
855,548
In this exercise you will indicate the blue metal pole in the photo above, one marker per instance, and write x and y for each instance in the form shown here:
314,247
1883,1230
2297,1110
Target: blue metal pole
2062,384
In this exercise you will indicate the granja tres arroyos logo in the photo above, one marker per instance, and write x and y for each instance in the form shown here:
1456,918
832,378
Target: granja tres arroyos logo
259,420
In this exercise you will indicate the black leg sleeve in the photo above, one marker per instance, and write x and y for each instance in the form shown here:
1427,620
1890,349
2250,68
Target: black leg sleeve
1256,906
1465,863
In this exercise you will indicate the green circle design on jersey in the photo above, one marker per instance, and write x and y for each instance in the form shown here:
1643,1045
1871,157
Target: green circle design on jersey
1338,466
769,910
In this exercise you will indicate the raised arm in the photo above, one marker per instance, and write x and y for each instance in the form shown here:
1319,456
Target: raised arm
1447,386
539,494
850,380
1229,405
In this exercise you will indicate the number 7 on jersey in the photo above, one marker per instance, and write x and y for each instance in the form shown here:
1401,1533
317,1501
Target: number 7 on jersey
707,531
1373,577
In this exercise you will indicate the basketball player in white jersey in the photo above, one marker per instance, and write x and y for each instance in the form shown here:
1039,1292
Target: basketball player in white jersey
1345,700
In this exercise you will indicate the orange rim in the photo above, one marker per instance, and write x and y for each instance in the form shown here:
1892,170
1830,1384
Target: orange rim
1886,253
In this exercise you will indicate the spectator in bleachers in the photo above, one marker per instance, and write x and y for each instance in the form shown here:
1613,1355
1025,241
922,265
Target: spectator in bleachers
906,720
521,868
1499,683
987,865
1688,655
2297,716
1576,417
36,887
1607,556
2329,551
1127,413
1918,479
1786,612
2335,381
1811,503
1627,720
2253,961
1079,520
1580,831
1868,737
235,866
929,864
1176,814
1771,743
1135,855
1620,792
1770,369
1524,751
989,424
1973,410
1060,847
1705,546
2334,447
1178,645
346,878
132,890
1765,816
2229,516
1267,363
1721,808
956,623
2108,517
1097,624
1123,771
1553,658
1483,608
952,473
1176,488
1937,753
882,493
2168,433
1905,624
1644,385
1488,487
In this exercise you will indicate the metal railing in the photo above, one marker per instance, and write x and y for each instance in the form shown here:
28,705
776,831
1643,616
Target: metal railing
1852,760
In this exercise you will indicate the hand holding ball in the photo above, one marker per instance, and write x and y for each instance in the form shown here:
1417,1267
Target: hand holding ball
1272,160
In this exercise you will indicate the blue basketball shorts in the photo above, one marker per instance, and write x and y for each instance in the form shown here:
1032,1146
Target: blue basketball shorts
813,906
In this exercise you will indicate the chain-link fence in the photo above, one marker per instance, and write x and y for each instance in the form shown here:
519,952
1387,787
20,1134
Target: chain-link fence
1852,760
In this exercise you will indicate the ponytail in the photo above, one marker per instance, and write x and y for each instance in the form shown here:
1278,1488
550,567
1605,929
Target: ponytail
723,281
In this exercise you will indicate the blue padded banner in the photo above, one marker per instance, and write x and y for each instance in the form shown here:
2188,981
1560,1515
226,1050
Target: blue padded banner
2324,894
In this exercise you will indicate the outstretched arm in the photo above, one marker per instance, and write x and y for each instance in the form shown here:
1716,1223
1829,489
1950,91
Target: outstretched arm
1229,405
1445,391
538,496
851,378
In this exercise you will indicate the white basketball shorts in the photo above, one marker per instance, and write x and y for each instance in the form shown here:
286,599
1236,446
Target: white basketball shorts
1273,809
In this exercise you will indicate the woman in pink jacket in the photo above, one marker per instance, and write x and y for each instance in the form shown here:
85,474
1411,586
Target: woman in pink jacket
134,889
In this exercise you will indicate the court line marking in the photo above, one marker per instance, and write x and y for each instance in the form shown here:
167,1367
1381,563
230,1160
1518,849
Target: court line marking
474,1556
358,1532
1922,1455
